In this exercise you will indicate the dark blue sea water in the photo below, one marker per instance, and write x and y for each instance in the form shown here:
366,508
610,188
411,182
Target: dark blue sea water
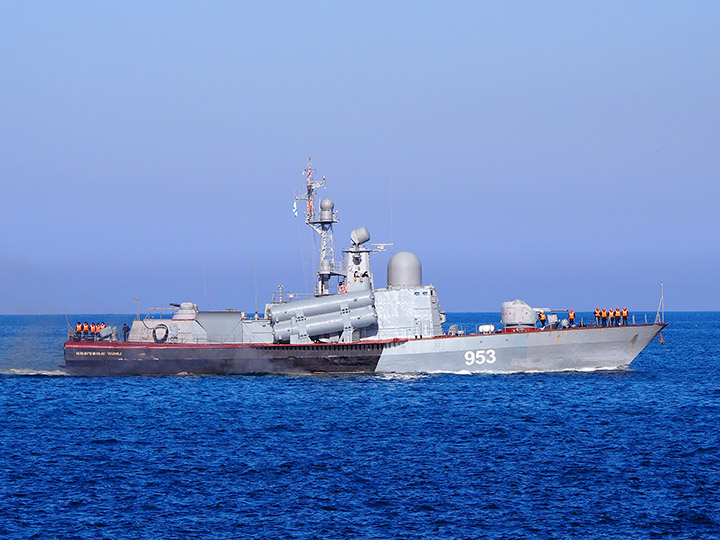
631,454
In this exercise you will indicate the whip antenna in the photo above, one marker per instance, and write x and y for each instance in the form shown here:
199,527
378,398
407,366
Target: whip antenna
660,315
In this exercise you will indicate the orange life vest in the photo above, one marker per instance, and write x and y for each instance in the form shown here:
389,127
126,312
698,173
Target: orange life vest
86,327
78,327
542,316
102,325
624,312
572,315
92,326
617,313
597,311
604,313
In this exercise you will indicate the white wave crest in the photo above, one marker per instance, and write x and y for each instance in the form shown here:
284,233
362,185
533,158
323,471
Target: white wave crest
35,372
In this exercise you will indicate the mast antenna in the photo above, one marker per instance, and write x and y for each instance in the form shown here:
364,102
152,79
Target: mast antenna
660,315
321,221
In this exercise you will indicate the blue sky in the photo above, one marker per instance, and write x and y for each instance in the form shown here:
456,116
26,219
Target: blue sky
565,153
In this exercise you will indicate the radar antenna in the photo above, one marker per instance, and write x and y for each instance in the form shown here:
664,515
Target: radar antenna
321,222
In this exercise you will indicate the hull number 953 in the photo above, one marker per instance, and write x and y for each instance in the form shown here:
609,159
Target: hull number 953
480,357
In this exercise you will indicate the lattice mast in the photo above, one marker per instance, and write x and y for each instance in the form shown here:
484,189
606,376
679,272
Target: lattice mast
321,221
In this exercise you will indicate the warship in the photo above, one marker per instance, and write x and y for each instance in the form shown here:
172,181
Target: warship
347,325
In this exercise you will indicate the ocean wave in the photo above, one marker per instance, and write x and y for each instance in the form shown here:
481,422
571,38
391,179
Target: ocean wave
35,372
401,376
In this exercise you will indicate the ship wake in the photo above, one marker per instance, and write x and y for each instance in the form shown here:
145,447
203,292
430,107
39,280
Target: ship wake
35,372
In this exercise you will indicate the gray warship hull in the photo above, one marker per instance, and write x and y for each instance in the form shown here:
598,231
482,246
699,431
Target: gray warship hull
571,349
122,358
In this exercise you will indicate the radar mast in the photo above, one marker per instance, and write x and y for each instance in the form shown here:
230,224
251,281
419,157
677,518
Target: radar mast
321,222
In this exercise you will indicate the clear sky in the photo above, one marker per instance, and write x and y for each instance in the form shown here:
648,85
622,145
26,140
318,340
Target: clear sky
565,153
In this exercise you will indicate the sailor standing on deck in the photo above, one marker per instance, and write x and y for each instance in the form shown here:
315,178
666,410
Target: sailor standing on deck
624,316
617,316
542,319
597,316
126,331
603,316
571,317
611,317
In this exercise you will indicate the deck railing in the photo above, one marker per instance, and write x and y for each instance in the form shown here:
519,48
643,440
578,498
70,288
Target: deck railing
280,297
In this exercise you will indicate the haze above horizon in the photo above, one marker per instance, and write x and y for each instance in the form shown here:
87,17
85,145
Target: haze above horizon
561,153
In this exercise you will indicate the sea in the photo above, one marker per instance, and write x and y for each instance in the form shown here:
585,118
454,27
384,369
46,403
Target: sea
593,455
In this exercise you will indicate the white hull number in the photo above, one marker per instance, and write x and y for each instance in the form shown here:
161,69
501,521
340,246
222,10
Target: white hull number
480,357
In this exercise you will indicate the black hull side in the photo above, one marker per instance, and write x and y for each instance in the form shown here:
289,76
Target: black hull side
134,359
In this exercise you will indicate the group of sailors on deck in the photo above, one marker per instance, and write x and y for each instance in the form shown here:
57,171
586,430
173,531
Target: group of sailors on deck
542,318
89,331
610,317
603,317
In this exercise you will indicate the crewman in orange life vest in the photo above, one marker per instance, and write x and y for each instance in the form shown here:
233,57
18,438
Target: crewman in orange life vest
617,316
571,317
542,319
611,317
597,316
624,316
603,316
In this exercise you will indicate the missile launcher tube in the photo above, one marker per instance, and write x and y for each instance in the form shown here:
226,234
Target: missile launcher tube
320,305
328,323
